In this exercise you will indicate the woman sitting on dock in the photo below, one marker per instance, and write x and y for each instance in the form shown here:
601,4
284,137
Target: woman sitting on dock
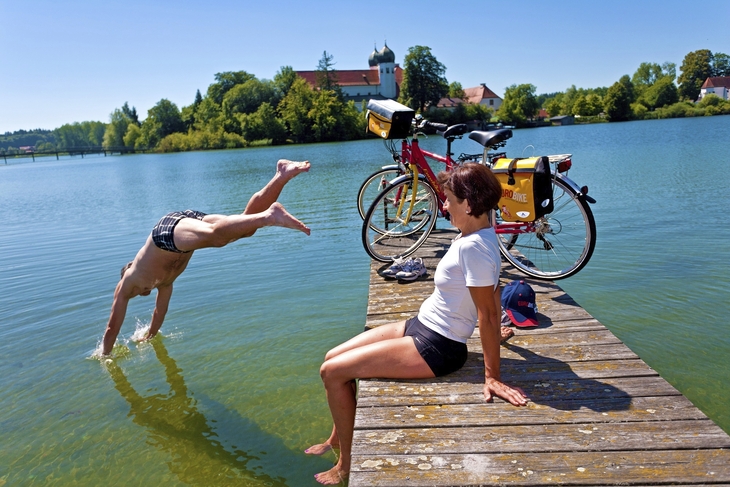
433,343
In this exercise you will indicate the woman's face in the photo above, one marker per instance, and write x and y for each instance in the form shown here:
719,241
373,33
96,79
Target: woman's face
457,209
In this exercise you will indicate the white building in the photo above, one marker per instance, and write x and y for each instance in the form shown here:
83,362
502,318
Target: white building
381,81
719,86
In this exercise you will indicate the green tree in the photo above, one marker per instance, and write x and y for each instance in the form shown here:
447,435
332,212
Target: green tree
224,82
294,110
263,124
133,134
696,68
248,96
519,104
456,91
663,92
131,114
423,79
82,134
325,75
162,120
720,64
116,129
618,99
283,80
208,116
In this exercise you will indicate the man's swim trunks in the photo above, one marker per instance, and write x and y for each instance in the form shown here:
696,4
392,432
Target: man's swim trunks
165,228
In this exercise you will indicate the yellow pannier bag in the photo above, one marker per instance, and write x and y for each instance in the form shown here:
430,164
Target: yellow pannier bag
527,191
389,119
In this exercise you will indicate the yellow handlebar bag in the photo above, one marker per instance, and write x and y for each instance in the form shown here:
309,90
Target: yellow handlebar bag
527,191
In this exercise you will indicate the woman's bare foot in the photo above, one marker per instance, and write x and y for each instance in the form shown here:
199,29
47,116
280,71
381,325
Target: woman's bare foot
320,449
506,333
288,169
333,476
282,218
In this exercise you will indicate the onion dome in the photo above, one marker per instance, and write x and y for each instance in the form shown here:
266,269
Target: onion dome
386,55
373,60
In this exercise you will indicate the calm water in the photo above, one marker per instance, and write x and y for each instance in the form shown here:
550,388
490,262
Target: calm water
231,394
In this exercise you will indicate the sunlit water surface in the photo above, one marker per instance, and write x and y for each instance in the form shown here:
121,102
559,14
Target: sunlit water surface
230,394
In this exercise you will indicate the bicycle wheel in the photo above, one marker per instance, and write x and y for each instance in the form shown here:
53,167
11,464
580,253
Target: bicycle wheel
559,244
399,220
373,185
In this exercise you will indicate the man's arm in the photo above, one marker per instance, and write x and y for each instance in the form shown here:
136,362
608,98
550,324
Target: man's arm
116,318
488,306
164,293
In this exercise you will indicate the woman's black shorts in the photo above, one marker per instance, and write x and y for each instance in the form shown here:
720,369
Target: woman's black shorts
443,355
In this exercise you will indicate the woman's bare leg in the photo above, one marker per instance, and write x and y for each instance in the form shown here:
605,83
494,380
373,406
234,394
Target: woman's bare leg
391,358
384,332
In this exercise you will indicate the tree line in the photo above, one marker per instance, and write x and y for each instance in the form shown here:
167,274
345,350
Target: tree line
240,110
650,93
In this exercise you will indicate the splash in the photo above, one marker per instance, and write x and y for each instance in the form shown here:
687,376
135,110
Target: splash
140,330
121,347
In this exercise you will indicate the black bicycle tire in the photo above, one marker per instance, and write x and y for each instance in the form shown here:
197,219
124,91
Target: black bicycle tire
513,250
361,207
403,243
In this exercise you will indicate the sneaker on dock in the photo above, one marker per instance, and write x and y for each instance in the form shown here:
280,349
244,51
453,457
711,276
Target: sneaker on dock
411,270
394,269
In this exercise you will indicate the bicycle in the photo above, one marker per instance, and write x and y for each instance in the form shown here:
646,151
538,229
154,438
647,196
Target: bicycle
404,213
377,181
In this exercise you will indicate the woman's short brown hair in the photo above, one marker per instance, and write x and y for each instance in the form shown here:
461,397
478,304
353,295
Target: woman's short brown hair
474,183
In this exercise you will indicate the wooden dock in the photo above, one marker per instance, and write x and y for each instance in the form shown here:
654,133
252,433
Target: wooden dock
598,414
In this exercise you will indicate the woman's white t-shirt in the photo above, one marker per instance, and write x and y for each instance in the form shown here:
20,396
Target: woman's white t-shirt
471,261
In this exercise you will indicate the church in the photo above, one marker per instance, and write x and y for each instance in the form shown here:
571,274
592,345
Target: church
382,80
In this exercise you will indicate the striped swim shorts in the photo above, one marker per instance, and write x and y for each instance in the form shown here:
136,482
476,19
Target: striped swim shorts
162,234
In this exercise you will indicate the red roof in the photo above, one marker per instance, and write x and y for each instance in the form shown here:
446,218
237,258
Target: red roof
354,77
717,82
449,102
479,93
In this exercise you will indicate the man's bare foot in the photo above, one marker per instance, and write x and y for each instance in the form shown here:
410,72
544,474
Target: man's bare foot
288,169
506,333
332,477
282,218
320,449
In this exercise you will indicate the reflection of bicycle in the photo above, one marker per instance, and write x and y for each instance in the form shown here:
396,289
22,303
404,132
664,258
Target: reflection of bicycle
403,214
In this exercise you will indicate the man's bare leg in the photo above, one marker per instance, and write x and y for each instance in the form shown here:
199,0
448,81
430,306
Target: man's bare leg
218,230
266,196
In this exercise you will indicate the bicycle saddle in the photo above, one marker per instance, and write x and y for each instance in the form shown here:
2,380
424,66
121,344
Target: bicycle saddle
491,138
455,130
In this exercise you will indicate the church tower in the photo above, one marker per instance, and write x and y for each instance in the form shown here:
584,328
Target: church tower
384,62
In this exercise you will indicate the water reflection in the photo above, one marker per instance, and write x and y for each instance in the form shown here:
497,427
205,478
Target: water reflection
176,426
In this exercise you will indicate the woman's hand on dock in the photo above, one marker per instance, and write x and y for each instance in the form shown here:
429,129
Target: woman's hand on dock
513,395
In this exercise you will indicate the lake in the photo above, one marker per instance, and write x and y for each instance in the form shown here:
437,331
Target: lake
230,393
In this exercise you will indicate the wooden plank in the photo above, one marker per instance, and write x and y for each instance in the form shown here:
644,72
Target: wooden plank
573,437
464,414
598,415
575,468
585,392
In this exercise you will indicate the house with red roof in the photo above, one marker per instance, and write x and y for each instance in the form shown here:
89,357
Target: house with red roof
381,81
483,95
719,85
479,95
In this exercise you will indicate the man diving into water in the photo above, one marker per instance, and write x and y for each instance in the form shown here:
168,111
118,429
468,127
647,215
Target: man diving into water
168,249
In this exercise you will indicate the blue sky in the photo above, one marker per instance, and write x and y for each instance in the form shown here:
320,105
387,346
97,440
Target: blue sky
66,61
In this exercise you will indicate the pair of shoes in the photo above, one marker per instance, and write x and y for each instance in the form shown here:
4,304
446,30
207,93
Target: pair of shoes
411,270
394,269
